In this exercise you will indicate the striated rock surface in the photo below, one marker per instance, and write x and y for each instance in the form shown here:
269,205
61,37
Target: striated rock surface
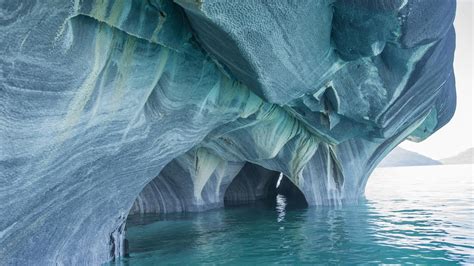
110,107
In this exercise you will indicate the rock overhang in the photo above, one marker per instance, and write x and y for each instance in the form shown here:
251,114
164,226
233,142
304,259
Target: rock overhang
107,101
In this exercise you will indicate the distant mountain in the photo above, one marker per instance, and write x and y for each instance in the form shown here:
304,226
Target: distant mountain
402,157
465,157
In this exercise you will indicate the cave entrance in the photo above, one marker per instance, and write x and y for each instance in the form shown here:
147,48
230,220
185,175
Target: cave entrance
255,185
169,196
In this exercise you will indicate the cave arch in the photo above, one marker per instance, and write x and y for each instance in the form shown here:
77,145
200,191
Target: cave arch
256,183
231,184
172,189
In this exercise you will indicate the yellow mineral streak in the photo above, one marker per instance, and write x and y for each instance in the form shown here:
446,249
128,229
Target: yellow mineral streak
205,165
101,53
124,69
154,35
117,11
159,68
305,149
99,9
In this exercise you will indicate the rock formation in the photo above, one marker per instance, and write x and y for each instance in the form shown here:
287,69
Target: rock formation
401,157
108,107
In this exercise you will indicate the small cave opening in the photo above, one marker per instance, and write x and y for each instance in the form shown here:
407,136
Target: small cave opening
256,185
165,197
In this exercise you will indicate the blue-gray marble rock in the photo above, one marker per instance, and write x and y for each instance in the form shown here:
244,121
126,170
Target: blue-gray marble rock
116,107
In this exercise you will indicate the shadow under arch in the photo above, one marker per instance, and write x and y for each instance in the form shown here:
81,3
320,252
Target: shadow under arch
255,183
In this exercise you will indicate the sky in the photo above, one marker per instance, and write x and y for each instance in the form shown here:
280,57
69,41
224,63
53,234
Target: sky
457,135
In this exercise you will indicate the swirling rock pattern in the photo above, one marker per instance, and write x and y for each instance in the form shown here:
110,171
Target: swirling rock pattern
110,107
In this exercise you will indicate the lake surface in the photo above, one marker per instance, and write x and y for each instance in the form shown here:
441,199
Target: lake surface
411,215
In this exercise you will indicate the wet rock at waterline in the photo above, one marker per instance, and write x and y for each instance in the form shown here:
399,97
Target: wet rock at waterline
108,107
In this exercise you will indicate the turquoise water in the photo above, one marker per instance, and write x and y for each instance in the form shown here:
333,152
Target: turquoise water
412,215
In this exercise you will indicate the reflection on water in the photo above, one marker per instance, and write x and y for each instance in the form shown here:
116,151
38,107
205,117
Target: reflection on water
280,207
410,216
